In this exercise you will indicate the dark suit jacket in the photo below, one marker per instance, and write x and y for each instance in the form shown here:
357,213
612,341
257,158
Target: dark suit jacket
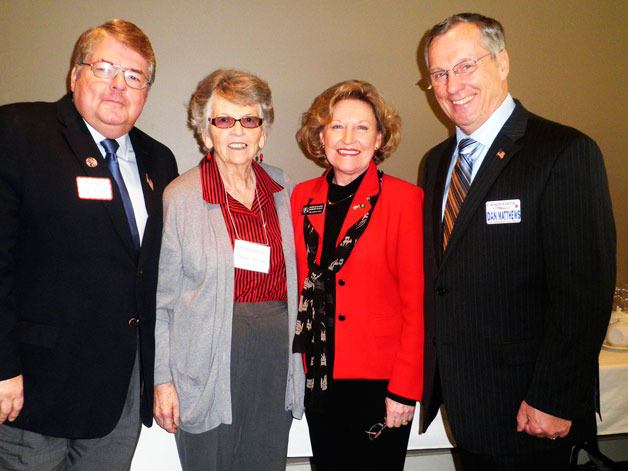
70,281
518,311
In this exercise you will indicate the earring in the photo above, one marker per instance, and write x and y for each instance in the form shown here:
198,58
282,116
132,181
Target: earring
260,157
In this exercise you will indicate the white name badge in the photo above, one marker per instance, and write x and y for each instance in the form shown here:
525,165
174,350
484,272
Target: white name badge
251,256
503,212
92,188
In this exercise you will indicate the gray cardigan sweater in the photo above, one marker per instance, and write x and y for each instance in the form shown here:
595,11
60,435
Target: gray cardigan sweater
195,303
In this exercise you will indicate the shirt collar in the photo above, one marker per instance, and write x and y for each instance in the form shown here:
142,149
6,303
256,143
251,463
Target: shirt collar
125,150
487,133
266,186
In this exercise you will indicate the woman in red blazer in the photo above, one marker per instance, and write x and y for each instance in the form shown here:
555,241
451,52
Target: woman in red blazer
359,254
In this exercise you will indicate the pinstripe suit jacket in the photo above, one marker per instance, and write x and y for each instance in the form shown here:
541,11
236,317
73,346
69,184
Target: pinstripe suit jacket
518,311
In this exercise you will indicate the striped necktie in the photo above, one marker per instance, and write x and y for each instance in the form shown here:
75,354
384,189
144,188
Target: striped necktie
111,146
459,186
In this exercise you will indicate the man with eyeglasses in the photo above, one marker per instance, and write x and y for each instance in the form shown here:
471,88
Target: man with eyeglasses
519,263
80,230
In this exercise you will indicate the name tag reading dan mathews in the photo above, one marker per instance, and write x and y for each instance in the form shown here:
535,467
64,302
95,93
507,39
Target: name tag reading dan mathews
503,212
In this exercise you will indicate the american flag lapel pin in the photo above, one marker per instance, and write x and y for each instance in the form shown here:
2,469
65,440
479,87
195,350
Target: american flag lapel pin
501,154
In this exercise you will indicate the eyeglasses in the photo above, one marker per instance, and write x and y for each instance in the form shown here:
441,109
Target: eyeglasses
106,70
466,67
226,122
376,430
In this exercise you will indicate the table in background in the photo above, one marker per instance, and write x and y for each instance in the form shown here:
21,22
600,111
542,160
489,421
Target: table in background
613,393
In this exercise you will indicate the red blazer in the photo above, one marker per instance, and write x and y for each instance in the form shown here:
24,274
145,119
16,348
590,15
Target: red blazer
379,290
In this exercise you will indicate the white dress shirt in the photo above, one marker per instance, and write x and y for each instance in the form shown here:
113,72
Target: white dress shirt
485,135
130,175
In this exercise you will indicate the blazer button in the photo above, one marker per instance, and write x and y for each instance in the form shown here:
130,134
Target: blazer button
441,291
341,317
341,282
134,322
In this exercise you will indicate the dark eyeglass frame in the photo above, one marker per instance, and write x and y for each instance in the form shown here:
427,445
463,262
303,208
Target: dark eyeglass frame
129,74
247,122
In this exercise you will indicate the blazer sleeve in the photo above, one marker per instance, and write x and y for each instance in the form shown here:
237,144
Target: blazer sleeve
10,198
579,250
406,379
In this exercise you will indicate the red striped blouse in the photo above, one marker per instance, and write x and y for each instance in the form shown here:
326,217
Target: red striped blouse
251,286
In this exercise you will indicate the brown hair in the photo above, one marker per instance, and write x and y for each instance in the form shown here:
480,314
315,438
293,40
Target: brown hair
120,30
320,113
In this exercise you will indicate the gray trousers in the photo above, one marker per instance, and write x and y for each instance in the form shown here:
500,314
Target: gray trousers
257,438
22,450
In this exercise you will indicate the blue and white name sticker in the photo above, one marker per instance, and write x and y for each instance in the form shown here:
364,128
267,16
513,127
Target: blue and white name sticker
503,212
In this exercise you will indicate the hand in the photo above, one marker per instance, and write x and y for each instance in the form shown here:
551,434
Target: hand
166,407
11,398
539,424
398,414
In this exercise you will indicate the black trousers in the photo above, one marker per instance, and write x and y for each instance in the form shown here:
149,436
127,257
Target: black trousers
550,460
338,434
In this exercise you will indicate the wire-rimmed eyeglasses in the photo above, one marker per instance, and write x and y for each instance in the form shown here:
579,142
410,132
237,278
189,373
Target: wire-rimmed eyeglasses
376,430
107,70
465,67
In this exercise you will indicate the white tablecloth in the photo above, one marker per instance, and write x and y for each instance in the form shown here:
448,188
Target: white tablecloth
613,392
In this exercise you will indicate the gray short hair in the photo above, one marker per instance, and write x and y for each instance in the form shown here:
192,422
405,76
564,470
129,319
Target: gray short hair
493,36
237,86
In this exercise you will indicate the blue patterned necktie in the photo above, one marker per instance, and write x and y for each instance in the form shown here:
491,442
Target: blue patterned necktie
111,146
459,186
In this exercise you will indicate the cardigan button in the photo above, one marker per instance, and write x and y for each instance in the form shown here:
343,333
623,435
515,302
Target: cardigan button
341,282
341,317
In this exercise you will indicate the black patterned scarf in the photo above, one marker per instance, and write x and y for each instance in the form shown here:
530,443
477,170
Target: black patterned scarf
311,329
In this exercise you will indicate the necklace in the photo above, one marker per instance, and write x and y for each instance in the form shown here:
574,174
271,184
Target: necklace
331,203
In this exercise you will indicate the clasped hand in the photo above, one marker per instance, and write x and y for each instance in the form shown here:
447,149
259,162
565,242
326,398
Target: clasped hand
11,398
540,424
398,414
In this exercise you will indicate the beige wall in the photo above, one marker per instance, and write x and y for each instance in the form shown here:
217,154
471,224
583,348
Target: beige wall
568,63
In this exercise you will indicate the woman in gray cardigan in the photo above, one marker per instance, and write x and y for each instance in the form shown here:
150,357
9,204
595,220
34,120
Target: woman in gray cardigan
226,382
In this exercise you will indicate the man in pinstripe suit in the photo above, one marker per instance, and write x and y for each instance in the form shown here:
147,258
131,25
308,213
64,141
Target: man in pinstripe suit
519,284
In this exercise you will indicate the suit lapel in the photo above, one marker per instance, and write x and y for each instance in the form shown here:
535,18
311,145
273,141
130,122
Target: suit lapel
318,197
143,161
503,149
361,202
86,152
438,192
